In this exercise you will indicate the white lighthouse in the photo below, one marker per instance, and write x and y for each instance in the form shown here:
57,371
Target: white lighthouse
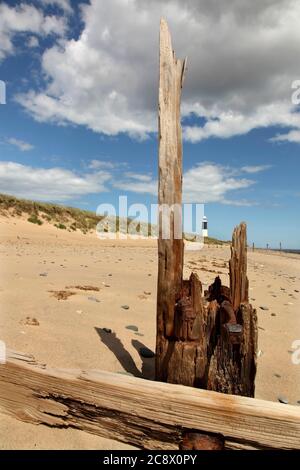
204,227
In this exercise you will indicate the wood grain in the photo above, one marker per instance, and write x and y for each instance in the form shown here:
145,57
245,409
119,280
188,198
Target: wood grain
170,242
149,415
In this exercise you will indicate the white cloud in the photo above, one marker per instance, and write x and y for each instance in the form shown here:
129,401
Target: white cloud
209,182
241,64
23,146
33,42
25,18
53,184
206,182
292,136
137,185
138,176
255,168
203,183
64,5
96,164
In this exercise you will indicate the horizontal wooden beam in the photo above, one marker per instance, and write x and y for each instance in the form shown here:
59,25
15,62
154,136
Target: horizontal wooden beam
149,415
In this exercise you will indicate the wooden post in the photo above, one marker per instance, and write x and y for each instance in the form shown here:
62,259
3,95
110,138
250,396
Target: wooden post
208,342
170,248
238,266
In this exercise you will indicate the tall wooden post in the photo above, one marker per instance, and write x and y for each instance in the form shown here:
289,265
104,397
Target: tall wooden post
170,248
205,341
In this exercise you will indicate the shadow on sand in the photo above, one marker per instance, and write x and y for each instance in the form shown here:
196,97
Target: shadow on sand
115,345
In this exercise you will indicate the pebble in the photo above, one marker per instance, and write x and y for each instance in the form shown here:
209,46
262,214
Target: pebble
298,402
262,307
126,307
44,274
296,290
259,353
132,327
145,352
93,299
282,399
277,375
107,330
139,334
273,314
261,328
147,293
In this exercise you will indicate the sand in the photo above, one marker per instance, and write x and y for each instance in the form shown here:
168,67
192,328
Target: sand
40,264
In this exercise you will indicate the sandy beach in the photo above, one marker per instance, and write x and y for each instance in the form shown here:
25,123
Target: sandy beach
58,290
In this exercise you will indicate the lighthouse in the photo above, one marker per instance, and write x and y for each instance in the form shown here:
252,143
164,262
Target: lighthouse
204,227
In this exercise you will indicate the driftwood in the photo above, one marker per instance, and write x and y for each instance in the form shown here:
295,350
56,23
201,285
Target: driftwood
207,341
149,415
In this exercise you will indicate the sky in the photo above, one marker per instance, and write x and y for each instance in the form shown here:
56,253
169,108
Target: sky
79,126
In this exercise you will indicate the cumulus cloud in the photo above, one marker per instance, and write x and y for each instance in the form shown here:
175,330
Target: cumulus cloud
292,136
241,64
204,183
26,18
54,184
20,144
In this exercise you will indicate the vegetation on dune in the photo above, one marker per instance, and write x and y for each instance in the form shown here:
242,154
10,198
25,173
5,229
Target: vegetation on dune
215,241
34,219
68,218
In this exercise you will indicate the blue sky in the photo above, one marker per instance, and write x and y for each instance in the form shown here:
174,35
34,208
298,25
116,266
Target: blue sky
79,124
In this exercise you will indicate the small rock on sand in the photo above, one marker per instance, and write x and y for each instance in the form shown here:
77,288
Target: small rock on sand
263,307
93,299
44,274
107,330
126,307
283,399
277,375
30,321
273,314
132,327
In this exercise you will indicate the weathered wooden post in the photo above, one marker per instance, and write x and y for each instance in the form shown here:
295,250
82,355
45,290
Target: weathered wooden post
202,341
170,249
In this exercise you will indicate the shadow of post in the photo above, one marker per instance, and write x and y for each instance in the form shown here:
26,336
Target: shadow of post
115,345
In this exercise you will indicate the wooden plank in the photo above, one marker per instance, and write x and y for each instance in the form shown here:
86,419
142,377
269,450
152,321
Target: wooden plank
150,415
170,242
